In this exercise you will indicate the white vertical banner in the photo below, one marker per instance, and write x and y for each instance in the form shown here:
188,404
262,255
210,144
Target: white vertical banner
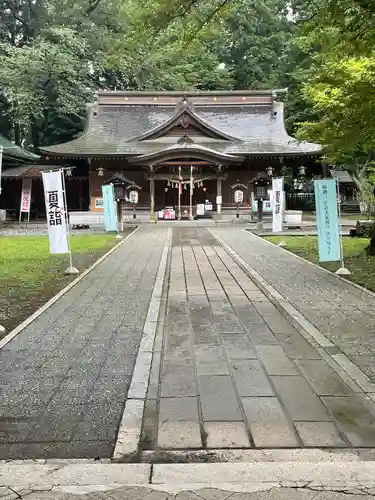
277,204
55,210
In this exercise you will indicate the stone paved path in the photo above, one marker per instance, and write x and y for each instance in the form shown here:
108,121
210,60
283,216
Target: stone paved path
342,312
64,379
232,372
228,370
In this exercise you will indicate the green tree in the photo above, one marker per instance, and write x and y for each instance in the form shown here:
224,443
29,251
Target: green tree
339,86
252,42
56,53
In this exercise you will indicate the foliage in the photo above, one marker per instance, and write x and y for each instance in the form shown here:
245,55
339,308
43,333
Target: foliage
252,42
56,53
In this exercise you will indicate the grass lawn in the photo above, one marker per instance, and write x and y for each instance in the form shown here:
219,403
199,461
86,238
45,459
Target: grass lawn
344,216
29,275
359,264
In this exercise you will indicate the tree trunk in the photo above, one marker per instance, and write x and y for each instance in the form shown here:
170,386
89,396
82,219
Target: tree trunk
371,247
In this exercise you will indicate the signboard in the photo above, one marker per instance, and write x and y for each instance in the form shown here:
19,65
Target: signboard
26,196
238,196
208,206
200,208
277,204
55,209
169,214
110,219
267,206
99,203
133,197
219,200
327,220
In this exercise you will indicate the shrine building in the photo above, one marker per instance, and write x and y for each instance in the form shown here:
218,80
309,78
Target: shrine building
181,150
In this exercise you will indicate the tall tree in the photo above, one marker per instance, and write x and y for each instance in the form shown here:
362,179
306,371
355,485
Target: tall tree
339,85
253,40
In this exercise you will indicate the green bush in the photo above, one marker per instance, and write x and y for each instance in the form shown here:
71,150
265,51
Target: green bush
368,230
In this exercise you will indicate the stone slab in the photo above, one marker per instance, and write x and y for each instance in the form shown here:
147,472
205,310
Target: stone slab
250,378
178,409
180,435
297,347
74,474
210,360
269,426
323,472
295,390
323,378
320,434
178,378
275,361
237,346
355,419
218,399
226,435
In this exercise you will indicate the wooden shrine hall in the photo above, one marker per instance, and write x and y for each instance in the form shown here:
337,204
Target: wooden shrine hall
186,153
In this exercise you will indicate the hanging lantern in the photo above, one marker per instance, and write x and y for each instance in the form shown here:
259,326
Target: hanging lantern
204,189
269,171
100,171
302,170
166,189
68,172
168,183
185,188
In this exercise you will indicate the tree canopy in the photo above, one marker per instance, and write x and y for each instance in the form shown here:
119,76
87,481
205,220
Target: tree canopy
56,53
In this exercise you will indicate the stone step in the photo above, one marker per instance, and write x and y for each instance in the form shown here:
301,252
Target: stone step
334,475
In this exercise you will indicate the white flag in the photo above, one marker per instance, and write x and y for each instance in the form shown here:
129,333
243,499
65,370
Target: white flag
277,204
55,209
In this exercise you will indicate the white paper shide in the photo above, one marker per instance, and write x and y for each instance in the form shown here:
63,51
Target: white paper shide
277,204
55,209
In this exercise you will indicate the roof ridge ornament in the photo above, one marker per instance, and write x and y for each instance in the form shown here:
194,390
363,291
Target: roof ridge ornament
185,139
184,105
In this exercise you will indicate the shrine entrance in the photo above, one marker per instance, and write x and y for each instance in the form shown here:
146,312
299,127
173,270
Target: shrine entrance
184,191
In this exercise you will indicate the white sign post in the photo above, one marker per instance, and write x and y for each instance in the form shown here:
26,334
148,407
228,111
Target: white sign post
133,198
25,198
1,164
2,329
57,223
277,204
238,198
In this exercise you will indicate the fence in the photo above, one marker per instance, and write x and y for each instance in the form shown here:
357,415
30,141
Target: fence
300,201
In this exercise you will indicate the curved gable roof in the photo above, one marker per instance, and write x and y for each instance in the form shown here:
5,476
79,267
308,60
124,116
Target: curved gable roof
127,126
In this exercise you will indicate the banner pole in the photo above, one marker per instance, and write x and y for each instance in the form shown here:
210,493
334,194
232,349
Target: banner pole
71,269
342,271
191,194
2,329
118,235
179,193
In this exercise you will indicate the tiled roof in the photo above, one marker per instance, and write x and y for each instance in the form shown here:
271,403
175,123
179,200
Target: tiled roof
12,151
26,171
256,129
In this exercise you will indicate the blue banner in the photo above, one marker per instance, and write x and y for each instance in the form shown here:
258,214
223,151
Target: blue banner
327,220
110,218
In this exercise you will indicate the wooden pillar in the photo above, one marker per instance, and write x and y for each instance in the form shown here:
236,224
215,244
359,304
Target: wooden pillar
152,196
218,193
